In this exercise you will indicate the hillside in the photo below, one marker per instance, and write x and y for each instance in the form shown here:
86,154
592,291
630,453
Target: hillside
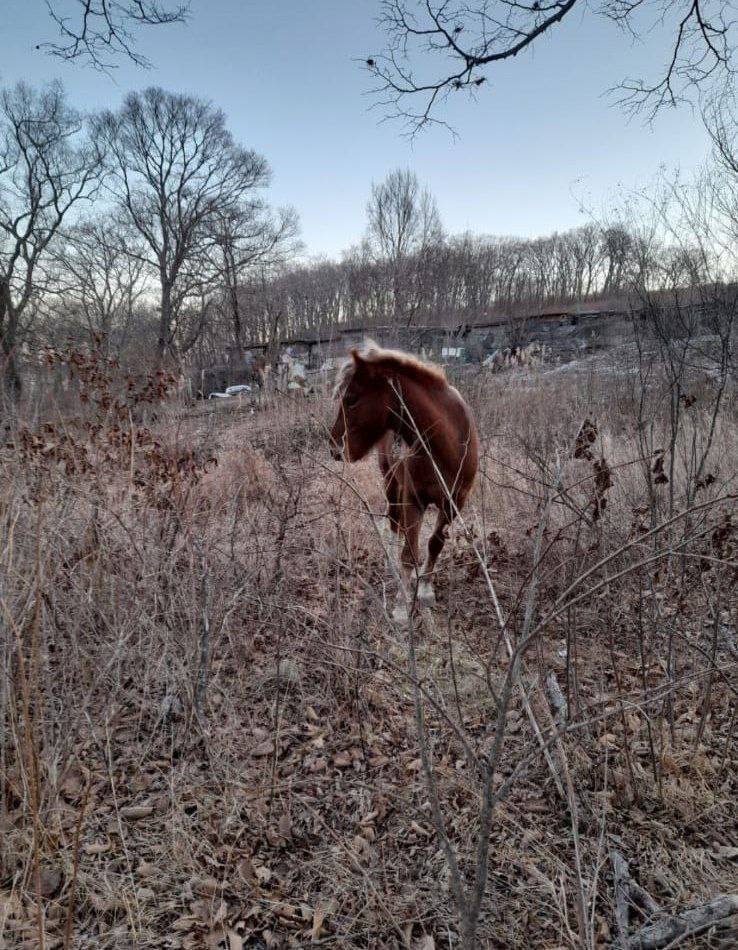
213,732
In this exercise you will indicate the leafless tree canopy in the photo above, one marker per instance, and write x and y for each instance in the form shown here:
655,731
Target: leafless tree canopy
98,32
249,239
403,218
102,265
438,47
47,166
403,222
176,173
453,281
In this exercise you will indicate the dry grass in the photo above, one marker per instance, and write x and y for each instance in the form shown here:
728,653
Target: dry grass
295,809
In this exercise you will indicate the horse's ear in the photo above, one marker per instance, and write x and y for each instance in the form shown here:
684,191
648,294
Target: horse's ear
362,366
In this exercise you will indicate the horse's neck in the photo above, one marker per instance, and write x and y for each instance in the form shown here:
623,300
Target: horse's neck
418,414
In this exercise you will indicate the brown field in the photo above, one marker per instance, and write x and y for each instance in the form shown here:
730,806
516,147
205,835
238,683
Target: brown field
211,724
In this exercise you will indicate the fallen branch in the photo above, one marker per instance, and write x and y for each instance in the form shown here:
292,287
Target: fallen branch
557,700
675,929
727,635
670,930
627,894
621,880
204,665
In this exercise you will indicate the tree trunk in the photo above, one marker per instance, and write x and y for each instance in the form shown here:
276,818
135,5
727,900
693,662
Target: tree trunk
11,380
231,277
165,322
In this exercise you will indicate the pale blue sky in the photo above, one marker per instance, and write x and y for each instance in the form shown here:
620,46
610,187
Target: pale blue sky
285,72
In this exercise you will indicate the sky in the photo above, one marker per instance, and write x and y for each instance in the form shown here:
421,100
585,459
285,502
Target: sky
541,141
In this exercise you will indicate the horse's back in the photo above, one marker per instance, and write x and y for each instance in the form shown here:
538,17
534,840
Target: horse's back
447,468
465,444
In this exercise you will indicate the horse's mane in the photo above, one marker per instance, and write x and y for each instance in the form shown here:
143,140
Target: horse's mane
391,361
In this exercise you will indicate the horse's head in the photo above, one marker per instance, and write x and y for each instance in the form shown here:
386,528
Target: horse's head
364,410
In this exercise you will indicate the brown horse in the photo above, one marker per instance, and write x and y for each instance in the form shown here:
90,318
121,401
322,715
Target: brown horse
384,394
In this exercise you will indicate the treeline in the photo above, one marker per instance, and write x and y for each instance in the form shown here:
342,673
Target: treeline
407,270
147,232
457,279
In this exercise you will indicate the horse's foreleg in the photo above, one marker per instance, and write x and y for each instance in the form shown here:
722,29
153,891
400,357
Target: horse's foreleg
389,527
426,594
411,518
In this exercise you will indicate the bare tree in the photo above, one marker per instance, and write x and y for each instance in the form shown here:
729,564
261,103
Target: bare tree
176,171
250,237
438,47
403,222
47,166
102,267
616,246
100,31
586,252
403,218
721,122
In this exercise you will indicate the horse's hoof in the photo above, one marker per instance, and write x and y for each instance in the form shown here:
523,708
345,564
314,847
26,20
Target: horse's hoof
426,594
400,614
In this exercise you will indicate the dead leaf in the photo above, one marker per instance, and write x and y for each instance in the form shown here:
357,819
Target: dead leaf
285,911
10,905
134,812
246,871
71,787
97,847
361,845
213,940
51,880
285,827
726,851
106,905
608,740
263,749
205,885
235,940
670,764
419,830
536,805
318,918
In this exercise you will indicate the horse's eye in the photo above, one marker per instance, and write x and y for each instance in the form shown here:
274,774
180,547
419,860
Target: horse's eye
351,401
